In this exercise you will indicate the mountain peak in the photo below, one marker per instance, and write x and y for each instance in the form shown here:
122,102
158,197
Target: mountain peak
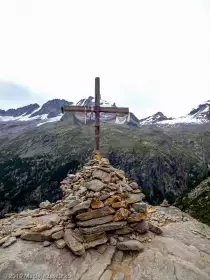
157,117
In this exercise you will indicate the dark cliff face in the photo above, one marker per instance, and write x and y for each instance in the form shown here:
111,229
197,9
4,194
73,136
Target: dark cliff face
26,110
52,108
33,164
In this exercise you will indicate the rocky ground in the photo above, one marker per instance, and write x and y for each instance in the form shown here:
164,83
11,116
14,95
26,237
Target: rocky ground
102,229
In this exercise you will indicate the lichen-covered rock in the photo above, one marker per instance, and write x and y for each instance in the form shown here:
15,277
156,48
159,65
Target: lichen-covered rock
60,244
45,205
121,214
94,236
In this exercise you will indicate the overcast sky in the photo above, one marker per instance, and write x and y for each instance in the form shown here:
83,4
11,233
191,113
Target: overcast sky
150,55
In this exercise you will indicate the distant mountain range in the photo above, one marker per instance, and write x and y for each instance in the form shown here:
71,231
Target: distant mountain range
33,115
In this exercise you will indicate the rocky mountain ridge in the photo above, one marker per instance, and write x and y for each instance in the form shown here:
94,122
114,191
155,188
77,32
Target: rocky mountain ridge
199,115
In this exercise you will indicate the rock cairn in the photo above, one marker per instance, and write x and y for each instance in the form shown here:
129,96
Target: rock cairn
100,205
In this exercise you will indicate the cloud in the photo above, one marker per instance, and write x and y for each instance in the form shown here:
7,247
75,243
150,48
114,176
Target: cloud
151,55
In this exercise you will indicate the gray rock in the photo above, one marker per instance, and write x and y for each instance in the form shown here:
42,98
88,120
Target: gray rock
11,241
102,175
95,243
95,222
95,185
120,238
119,276
113,241
81,206
107,275
130,245
46,243
45,205
4,239
60,244
140,207
76,247
134,185
104,227
72,203
133,198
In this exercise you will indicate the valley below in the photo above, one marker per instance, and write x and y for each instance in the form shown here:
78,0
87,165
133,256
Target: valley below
166,163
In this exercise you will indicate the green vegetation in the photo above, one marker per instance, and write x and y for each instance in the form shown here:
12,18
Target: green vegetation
197,202
165,164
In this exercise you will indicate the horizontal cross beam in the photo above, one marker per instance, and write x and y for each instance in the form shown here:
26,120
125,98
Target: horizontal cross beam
120,110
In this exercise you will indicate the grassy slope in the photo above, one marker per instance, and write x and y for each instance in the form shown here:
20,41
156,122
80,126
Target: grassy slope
33,164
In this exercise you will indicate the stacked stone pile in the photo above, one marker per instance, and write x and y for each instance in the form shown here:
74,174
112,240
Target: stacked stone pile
100,205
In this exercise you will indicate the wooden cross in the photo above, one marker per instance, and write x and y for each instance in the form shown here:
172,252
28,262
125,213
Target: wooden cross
97,110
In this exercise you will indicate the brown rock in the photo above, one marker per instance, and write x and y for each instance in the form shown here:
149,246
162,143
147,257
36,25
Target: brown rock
4,239
121,214
95,243
112,200
60,244
105,211
9,242
58,235
165,203
130,245
33,236
141,227
104,227
78,235
133,198
76,247
95,236
18,233
95,204
137,217
95,222
120,204
101,175
155,229
124,230
40,227
120,174
47,234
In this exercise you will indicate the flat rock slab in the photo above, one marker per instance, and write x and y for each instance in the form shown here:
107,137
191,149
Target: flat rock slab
105,211
95,222
95,185
104,227
95,243
183,252
76,247
135,197
130,245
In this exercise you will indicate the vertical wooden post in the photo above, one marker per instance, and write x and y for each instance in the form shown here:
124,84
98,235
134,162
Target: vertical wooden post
97,114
